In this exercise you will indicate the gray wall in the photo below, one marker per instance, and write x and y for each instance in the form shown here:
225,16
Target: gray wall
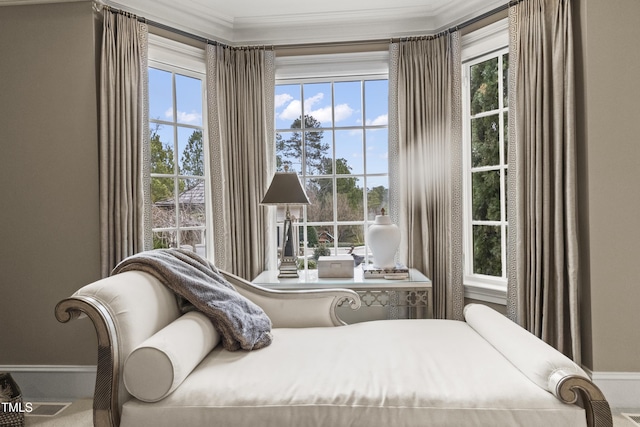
49,225
608,62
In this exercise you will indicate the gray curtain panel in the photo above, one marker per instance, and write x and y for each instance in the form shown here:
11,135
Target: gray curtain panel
240,91
543,291
427,75
123,67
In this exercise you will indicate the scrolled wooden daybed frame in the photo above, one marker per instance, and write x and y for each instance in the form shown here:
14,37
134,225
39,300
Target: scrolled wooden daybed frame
110,392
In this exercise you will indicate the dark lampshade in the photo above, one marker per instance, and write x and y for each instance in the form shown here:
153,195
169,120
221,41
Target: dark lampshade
285,189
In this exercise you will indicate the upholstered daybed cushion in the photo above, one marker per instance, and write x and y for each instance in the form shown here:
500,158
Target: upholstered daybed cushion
158,366
382,373
533,357
199,285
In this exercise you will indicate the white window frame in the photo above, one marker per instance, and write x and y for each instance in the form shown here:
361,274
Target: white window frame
478,46
190,61
330,69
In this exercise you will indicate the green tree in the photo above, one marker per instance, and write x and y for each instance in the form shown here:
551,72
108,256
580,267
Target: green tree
485,149
321,250
162,188
319,162
192,162
485,152
377,198
162,162
347,187
315,149
484,86
487,256
312,236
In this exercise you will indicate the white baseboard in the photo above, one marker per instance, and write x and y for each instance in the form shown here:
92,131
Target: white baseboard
53,382
621,389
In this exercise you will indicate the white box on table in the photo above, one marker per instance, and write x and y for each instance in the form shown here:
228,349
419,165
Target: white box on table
338,266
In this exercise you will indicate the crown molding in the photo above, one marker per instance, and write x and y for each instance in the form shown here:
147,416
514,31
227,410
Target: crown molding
337,31
200,18
455,13
330,17
196,20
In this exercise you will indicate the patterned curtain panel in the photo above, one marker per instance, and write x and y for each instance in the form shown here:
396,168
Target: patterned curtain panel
122,78
425,77
240,91
543,288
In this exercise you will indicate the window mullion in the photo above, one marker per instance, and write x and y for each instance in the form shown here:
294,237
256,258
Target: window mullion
365,198
175,160
503,161
335,168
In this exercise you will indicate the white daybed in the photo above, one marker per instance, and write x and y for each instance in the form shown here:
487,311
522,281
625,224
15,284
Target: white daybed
485,371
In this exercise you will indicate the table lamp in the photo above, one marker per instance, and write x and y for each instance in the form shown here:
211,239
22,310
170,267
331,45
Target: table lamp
286,189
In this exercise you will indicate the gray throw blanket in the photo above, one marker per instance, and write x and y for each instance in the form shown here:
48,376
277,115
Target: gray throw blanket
200,286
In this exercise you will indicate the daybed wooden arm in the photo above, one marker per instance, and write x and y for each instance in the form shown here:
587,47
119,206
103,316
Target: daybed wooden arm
106,410
572,389
286,309
541,363
296,309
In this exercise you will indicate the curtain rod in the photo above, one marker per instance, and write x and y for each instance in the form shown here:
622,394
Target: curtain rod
501,8
181,32
99,6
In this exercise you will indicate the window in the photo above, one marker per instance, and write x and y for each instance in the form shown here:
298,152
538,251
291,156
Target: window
333,132
178,185
485,123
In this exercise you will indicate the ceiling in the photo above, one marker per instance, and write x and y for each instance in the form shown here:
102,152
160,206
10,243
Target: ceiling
281,22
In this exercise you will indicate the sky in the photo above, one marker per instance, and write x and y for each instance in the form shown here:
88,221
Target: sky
351,109
188,103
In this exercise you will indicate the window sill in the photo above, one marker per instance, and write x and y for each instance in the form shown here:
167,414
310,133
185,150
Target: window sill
496,294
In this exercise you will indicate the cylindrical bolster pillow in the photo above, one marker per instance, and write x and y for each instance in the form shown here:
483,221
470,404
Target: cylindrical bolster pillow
157,366
532,356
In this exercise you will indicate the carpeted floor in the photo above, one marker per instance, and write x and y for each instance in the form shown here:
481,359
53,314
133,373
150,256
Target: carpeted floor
79,414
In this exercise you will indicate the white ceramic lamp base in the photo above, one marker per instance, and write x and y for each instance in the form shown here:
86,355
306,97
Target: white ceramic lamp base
383,238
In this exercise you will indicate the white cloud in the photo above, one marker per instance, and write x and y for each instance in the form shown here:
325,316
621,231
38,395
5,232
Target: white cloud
191,118
379,121
282,99
343,111
322,114
291,111
310,102
184,117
